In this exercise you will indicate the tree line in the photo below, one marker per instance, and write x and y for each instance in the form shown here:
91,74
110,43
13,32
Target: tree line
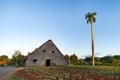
73,59
16,59
103,61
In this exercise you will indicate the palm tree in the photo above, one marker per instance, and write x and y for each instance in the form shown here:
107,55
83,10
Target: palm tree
90,17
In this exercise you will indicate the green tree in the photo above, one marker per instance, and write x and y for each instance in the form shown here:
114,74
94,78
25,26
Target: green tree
117,57
107,60
16,58
73,59
116,60
81,62
90,17
88,59
67,57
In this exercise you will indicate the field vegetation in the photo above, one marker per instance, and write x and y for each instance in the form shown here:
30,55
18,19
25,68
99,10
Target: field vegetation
68,73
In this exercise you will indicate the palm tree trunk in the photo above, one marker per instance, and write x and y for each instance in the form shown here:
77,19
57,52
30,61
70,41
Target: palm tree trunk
92,35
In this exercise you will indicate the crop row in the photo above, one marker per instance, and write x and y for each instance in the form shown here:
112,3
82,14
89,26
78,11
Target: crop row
70,73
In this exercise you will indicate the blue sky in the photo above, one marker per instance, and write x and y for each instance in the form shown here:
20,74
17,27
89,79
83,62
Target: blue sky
27,24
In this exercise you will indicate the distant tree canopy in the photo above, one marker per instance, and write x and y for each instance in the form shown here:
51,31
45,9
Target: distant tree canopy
16,58
73,59
4,59
111,60
106,60
67,57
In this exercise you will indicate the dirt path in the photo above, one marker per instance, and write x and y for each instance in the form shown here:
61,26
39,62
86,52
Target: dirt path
8,71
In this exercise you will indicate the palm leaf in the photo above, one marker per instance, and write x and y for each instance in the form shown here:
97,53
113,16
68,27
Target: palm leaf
87,15
87,21
94,13
90,17
94,19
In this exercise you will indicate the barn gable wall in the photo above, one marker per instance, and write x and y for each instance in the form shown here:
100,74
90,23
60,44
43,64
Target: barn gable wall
48,51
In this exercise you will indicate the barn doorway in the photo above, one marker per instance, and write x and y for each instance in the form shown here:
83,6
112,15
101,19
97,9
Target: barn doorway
48,62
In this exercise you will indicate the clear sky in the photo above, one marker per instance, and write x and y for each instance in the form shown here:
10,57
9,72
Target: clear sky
27,24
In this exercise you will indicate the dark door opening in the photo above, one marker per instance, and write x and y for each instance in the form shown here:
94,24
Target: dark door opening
48,62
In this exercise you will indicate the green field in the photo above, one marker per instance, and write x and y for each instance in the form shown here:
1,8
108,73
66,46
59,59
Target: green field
68,73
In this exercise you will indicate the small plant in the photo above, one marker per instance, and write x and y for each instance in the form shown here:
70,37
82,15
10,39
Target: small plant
69,73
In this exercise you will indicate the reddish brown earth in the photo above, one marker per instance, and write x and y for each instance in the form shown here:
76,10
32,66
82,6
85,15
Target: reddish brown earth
73,74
